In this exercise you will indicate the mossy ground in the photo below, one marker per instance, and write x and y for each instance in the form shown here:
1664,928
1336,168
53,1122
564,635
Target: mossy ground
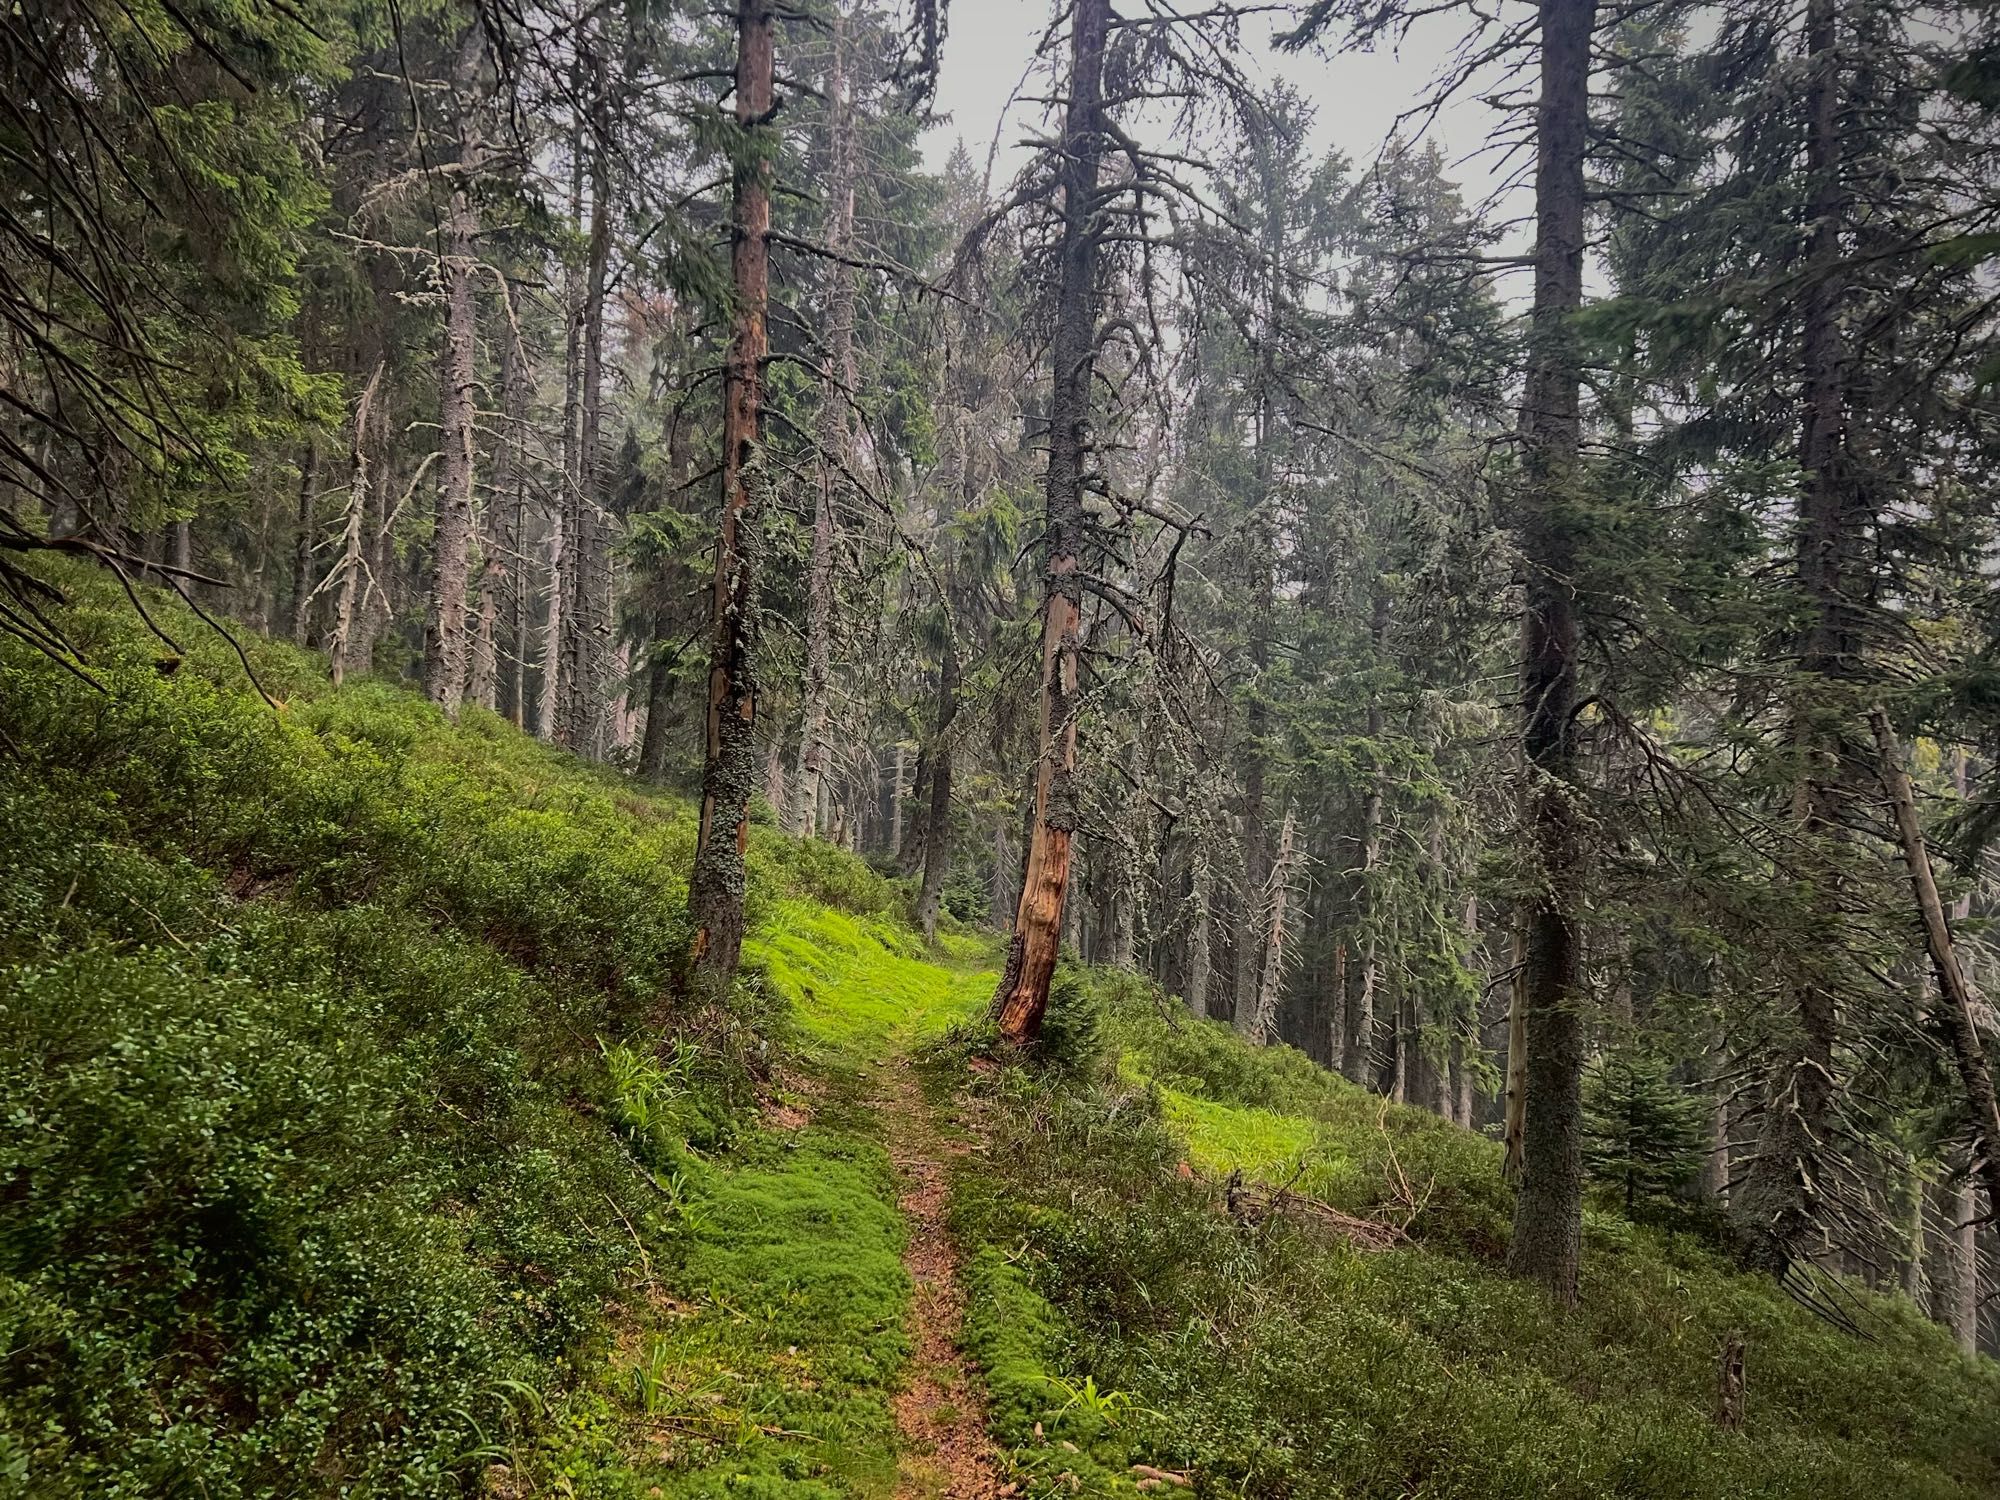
353,1144
778,1337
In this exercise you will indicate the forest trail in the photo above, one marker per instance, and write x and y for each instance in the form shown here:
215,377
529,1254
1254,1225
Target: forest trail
940,1411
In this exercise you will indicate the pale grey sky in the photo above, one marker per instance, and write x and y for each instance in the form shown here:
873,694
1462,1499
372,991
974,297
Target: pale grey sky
1357,96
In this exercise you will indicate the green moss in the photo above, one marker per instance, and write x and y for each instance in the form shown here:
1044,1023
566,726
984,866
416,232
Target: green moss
1225,1138
772,1355
854,982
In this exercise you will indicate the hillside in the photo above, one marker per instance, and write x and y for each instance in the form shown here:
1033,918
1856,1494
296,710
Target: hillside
355,1145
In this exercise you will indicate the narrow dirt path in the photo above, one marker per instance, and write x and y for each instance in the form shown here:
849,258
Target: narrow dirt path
939,1411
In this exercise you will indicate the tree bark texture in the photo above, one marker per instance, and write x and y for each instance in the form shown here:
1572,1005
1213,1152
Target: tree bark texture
445,666
1548,1214
835,439
1023,993
730,770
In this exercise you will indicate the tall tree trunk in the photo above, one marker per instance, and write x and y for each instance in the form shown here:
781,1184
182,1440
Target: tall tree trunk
302,580
494,520
1961,1288
729,772
1514,1128
1548,1211
1781,1203
1200,924
550,691
582,709
351,602
1263,566
835,439
557,623
515,398
444,641
1359,1063
937,823
1023,993
1271,983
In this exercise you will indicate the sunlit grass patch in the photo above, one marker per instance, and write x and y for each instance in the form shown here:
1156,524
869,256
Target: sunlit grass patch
854,981
1224,1138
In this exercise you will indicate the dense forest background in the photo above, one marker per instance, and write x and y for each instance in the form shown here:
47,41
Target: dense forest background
1544,671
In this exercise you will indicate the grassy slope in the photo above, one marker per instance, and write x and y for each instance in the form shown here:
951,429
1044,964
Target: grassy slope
313,1175
339,1153
1271,1359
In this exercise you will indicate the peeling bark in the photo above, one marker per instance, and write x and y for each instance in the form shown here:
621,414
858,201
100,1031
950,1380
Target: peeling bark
1023,992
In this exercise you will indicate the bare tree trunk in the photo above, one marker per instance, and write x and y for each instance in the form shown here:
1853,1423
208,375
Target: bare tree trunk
302,581
494,542
1023,992
552,627
512,495
937,826
1961,1289
581,706
1359,1063
1272,982
1548,1212
1199,962
835,439
353,564
444,641
729,772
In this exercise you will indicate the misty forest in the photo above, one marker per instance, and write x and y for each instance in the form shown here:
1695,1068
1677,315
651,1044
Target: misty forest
724,773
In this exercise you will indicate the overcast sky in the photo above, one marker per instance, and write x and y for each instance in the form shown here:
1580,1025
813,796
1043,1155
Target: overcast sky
1357,96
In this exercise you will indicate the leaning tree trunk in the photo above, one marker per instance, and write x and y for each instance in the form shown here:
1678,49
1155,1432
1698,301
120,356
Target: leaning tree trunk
1957,1016
1782,1206
1023,993
730,772
835,439
445,641
1548,1210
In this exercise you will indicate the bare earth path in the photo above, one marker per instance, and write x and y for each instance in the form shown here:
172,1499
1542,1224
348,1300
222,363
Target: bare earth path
939,1411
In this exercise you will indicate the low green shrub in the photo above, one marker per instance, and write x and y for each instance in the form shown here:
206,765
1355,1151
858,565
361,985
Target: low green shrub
313,1175
1270,1357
